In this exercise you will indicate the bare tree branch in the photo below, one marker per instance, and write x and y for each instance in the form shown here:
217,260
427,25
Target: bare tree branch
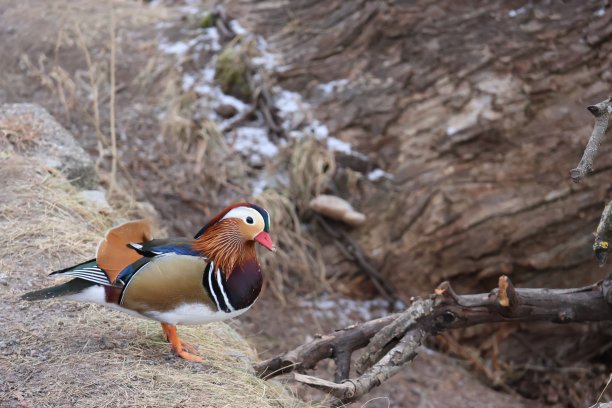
602,112
603,235
391,334
389,365
393,341
308,355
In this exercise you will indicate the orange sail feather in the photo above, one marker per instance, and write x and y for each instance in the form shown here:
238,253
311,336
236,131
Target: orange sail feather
113,253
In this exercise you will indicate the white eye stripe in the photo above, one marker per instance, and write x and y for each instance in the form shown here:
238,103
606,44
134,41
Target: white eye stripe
243,213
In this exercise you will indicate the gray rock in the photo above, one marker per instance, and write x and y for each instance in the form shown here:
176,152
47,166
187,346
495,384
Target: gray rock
96,198
32,131
226,111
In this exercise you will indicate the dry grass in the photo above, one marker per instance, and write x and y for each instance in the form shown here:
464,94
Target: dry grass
20,132
55,354
311,166
297,265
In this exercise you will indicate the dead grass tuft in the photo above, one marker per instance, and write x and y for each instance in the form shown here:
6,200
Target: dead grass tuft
297,266
311,167
22,132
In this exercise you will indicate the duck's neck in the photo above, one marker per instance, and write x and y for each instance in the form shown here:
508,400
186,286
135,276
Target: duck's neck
224,246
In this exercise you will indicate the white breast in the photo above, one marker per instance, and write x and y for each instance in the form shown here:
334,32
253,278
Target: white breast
187,313
193,313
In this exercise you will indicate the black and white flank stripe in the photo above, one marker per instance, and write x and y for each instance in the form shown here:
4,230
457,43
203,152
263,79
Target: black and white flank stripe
214,285
90,272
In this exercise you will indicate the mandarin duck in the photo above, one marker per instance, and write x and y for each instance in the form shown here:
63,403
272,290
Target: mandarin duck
214,276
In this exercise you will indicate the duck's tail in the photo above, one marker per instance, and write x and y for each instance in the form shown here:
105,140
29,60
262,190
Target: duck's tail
74,288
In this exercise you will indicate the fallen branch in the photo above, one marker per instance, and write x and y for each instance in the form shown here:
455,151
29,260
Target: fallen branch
402,353
392,341
602,112
308,355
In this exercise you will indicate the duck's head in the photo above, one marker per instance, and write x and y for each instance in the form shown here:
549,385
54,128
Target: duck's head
230,236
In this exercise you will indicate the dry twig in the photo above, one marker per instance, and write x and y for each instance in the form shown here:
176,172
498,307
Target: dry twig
113,130
602,112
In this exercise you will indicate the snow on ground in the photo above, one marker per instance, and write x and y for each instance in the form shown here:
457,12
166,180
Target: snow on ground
346,311
266,59
378,174
516,12
329,88
178,48
253,143
251,140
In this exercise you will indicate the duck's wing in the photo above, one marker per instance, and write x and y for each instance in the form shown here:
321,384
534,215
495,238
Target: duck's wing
156,247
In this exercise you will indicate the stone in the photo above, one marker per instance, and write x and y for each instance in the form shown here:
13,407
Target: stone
30,129
338,209
226,111
97,198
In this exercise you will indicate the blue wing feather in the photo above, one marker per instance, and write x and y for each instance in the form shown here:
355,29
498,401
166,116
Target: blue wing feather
165,246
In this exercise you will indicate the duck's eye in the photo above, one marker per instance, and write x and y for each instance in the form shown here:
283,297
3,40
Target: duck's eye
249,220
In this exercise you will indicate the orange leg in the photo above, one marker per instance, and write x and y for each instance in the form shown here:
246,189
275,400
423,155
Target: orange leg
181,349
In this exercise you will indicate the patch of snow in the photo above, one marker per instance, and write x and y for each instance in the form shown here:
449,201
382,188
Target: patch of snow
330,87
319,130
516,12
187,81
253,143
178,48
451,131
287,101
210,39
208,74
338,145
601,12
205,89
162,25
296,134
378,174
237,28
190,7
291,108
225,99
258,186
266,59
346,311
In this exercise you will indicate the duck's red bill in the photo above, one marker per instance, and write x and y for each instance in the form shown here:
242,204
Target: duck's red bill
264,239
